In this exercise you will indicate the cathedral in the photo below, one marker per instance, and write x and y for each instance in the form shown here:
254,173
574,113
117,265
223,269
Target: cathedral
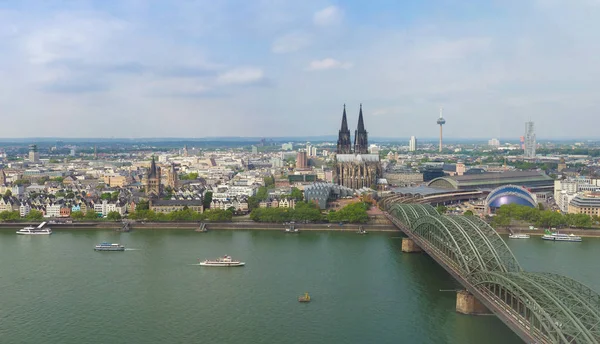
355,167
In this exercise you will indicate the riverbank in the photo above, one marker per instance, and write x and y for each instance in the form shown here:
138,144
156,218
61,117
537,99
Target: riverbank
210,226
590,233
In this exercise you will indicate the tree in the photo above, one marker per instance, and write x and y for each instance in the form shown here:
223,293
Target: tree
70,195
113,216
91,215
34,215
207,199
501,221
297,194
106,196
262,193
441,209
352,213
8,193
189,176
60,194
22,182
468,213
540,206
77,215
10,216
269,181
114,196
142,205
253,203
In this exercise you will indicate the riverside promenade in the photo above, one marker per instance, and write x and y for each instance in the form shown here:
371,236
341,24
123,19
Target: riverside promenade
245,225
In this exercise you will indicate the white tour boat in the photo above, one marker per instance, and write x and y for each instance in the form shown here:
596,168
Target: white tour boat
518,236
107,246
39,230
561,237
224,261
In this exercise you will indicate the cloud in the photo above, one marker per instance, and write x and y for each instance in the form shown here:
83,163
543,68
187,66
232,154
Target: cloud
291,42
75,87
328,63
241,76
328,16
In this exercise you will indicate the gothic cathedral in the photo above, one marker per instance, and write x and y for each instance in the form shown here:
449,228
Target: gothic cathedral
355,167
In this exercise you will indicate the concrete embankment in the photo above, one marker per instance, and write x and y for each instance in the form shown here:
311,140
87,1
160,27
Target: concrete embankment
209,226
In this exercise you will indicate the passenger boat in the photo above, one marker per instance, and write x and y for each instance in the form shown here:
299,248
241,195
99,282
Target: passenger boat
304,298
39,230
107,246
224,261
561,237
518,236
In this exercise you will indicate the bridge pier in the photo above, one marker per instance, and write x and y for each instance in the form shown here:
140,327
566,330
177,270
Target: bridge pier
410,246
466,303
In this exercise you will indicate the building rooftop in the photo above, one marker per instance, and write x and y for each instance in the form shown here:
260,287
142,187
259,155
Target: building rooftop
487,180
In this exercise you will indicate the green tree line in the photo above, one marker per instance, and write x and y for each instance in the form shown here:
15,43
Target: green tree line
540,218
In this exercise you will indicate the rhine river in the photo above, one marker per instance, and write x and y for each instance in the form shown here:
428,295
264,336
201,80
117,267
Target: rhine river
56,289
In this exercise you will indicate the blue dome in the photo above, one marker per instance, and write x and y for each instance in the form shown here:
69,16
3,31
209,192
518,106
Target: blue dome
510,194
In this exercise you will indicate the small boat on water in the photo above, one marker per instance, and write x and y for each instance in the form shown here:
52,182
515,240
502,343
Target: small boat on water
291,228
107,246
518,236
39,230
361,230
561,237
304,298
224,261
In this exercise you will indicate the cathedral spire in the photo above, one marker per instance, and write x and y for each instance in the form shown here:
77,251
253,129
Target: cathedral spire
344,144
361,123
152,172
361,142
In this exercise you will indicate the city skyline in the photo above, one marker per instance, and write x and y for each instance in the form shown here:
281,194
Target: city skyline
113,69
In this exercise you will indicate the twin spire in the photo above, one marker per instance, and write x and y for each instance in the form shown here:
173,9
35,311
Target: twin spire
344,144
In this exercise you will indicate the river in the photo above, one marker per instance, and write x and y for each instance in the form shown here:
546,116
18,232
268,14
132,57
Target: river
56,289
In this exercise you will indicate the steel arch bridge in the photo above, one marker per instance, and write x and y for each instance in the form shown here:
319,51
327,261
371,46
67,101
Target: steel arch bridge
539,307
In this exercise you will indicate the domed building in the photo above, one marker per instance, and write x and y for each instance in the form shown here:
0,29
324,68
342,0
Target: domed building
509,194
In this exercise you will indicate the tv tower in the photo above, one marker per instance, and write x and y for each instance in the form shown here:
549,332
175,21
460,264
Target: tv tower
441,121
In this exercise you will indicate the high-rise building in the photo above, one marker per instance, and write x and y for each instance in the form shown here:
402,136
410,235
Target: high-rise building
441,121
313,151
254,150
301,160
494,142
287,146
34,155
530,143
412,144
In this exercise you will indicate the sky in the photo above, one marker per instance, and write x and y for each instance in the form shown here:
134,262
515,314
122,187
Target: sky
184,68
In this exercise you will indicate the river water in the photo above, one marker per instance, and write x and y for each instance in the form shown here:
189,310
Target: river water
56,289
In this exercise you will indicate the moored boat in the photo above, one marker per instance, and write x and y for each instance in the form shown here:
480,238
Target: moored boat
107,246
361,230
224,261
291,228
561,237
518,236
39,230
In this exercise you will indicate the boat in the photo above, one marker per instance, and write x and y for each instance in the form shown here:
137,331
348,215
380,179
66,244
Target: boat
291,228
518,236
107,246
361,230
561,237
201,228
39,230
224,261
304,298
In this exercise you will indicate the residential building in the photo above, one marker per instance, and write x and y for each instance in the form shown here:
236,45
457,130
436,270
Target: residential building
167,206
587,203
24,209
53,210
301,160
494,143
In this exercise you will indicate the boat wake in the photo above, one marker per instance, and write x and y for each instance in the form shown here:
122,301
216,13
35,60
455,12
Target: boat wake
132,249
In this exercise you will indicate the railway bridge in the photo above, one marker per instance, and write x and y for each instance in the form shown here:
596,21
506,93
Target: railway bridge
539,307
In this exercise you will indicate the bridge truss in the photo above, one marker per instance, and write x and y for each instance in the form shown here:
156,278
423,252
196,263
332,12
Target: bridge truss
540,307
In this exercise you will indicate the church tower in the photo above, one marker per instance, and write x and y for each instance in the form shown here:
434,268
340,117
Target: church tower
344,143
361,142
153,188
2,178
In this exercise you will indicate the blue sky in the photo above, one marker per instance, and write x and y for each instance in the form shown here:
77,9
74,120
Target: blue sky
136,68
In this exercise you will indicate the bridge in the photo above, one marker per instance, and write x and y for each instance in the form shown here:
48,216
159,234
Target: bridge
539,307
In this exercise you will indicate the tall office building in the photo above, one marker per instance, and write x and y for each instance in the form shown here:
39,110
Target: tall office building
254,150
412,144
530,143
34,155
